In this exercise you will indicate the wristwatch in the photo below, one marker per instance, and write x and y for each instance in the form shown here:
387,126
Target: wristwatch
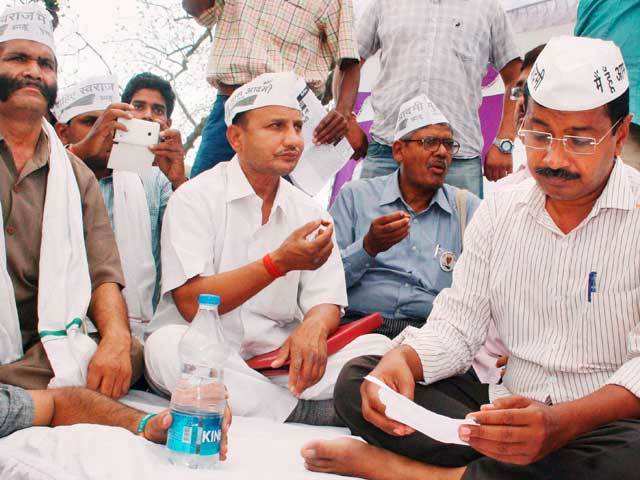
504,145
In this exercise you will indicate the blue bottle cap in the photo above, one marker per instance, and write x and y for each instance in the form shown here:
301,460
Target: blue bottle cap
209,300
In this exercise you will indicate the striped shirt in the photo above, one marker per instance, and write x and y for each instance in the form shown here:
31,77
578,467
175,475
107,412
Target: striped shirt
519,270
158,190
253,37
440,48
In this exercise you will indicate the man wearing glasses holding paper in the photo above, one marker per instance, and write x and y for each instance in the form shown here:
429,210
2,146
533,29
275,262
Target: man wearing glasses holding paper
555,265
400,234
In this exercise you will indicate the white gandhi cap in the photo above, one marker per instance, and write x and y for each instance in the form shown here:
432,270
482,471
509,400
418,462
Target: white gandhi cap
268,89
417,113
30,22
92,94
573,74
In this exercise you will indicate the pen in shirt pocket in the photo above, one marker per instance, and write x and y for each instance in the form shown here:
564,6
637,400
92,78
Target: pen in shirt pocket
592,288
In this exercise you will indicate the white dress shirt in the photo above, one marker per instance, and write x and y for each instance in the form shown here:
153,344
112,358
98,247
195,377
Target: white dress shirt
519,270
213,224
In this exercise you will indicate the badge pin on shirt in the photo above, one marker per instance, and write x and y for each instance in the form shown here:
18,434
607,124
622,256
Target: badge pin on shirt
447,258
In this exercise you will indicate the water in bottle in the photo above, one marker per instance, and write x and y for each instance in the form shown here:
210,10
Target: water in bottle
199,398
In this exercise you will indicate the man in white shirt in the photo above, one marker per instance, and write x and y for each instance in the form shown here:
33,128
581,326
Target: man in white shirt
555,265
241,232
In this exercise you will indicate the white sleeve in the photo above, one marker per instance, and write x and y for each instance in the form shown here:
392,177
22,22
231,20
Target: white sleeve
326,285
188,239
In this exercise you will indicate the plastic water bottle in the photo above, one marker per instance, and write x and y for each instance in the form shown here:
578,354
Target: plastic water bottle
198,401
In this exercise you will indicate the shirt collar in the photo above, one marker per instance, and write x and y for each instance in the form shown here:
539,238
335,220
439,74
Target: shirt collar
40,156
238,186
391,193
617,194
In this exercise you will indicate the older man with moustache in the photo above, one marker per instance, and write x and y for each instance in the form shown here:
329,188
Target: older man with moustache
61,260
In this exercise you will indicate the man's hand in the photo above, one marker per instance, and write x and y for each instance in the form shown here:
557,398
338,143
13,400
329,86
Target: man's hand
298,252
102,131
497,165
331,128
516,430
156,430
395,371
170,157
385,232
110,368
357,139
307,348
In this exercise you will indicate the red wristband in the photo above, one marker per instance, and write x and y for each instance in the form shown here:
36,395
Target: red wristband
271,267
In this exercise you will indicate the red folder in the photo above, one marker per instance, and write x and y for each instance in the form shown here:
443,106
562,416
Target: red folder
342,337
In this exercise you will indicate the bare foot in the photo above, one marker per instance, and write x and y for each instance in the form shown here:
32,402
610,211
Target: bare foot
351,457
345,456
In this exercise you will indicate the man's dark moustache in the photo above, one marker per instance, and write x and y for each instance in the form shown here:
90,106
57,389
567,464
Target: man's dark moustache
557,173
9,85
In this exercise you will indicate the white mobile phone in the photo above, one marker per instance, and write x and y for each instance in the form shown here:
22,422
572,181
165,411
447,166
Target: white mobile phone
140,132
130,150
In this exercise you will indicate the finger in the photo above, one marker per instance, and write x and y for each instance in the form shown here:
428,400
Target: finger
282,357
309,359
373,410
116,113
514,401
392,217
323,255
306,229
120,106
325,123
519,416
497,450
93,378
294,369
106,386
333,133
497,433
170,135
324,237
393,226
158,426
166,147
126,383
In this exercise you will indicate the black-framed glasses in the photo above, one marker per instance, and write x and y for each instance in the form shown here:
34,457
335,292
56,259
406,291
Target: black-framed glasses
432,144
573,144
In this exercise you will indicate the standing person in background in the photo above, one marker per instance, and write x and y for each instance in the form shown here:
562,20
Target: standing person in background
259,36
618,21
440,49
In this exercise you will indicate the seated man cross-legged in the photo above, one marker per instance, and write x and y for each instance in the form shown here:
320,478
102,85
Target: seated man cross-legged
554,264
242,232
59,261
400,234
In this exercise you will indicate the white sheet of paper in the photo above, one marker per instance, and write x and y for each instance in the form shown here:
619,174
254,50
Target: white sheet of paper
401,409
319,163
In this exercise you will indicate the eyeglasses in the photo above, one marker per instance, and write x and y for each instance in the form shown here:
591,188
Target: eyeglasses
516,93
578,145
432,144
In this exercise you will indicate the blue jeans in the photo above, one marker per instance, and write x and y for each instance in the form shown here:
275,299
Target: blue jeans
463,173
214,147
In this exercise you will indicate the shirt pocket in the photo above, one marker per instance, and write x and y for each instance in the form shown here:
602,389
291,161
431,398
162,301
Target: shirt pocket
279,301
294,24
607,322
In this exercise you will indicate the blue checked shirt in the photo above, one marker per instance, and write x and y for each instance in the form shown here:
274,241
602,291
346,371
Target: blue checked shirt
402,282
440,48
158,191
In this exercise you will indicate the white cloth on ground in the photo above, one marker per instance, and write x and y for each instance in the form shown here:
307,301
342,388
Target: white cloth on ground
64,286
258,449
250,393
132,228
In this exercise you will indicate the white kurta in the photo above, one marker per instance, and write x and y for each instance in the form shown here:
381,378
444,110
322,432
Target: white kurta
213,224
